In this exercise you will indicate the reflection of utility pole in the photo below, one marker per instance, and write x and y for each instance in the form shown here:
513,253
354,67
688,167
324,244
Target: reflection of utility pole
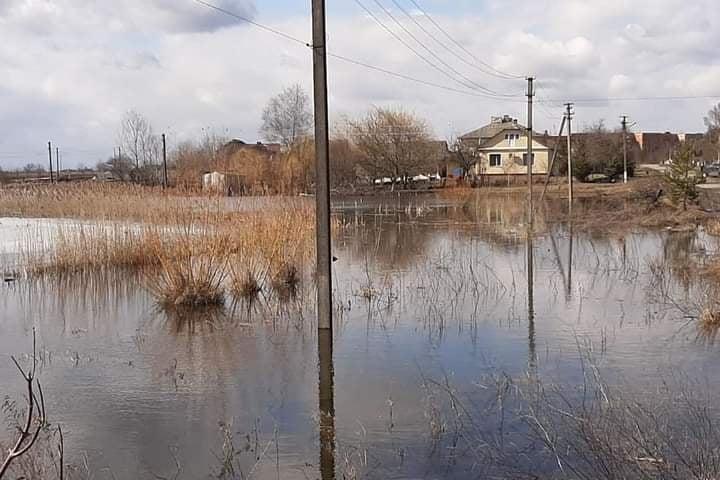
569,115
570,259
530,94
624,134
326,390
50,158
532,355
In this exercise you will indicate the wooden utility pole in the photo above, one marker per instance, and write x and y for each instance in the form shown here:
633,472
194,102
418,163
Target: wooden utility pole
165,176
530,95
624,134
322,180
52,179
569,115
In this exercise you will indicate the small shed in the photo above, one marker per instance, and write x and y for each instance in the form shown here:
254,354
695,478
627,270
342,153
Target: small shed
222,183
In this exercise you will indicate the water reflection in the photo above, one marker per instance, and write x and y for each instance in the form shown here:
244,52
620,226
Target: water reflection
532,355
568,286
326,404
447,300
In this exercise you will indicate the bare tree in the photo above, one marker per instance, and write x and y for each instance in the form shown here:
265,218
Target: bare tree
287,118
35,419
138,141
712,122
464,155
394,143
119,166
345,160
34,168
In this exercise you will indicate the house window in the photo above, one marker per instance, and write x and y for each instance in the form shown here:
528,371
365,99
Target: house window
495,160
525,159
512,138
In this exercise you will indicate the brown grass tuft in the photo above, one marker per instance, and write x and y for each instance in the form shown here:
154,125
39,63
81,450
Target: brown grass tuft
709,325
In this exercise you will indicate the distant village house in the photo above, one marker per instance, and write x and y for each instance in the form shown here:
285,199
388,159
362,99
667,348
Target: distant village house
501,148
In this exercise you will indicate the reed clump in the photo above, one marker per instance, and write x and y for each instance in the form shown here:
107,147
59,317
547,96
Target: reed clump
709,324
191,251
92,200
77,247
192,270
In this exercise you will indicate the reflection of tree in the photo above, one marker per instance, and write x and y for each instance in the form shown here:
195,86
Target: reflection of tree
392,241
677,252
398,236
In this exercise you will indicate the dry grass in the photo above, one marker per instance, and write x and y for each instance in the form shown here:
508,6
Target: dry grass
91,200
709,325
191,252
79,247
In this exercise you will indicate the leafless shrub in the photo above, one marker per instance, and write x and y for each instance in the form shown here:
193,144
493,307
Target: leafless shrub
33,454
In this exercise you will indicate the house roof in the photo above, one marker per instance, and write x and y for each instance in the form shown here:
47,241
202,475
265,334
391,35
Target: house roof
236,145
496,125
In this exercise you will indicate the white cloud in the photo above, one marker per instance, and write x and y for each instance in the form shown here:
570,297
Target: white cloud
70,68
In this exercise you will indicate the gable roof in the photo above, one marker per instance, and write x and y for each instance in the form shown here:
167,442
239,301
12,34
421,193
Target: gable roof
235,145
496,125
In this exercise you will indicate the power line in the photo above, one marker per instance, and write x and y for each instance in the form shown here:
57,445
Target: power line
498,73
470,83
417,80
251,22
351,60
444,45
408,46
639,99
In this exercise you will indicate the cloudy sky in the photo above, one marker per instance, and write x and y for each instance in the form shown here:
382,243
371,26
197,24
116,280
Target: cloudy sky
70,69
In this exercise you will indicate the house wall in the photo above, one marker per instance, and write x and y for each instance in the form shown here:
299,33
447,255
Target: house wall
511,158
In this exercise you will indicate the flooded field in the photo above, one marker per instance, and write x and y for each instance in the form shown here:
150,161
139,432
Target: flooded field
442,329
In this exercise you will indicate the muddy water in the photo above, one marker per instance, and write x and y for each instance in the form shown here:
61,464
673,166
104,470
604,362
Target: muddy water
427,291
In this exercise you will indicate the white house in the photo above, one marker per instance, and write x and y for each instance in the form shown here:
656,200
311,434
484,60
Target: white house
501,148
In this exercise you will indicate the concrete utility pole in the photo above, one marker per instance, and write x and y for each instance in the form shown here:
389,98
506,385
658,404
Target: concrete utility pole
57,163
165,177
530,95
322,180
624,134
326,390
552,160
52,179
568,116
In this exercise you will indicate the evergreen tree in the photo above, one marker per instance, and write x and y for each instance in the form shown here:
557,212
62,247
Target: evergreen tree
683,177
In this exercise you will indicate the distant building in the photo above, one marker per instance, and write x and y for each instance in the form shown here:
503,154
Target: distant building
223,183
270,150
446,161
500,148
658,148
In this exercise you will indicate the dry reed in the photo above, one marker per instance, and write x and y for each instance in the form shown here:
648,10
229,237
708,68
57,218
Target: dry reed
191,251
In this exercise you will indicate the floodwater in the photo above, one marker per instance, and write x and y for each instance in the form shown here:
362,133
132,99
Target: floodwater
428,292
